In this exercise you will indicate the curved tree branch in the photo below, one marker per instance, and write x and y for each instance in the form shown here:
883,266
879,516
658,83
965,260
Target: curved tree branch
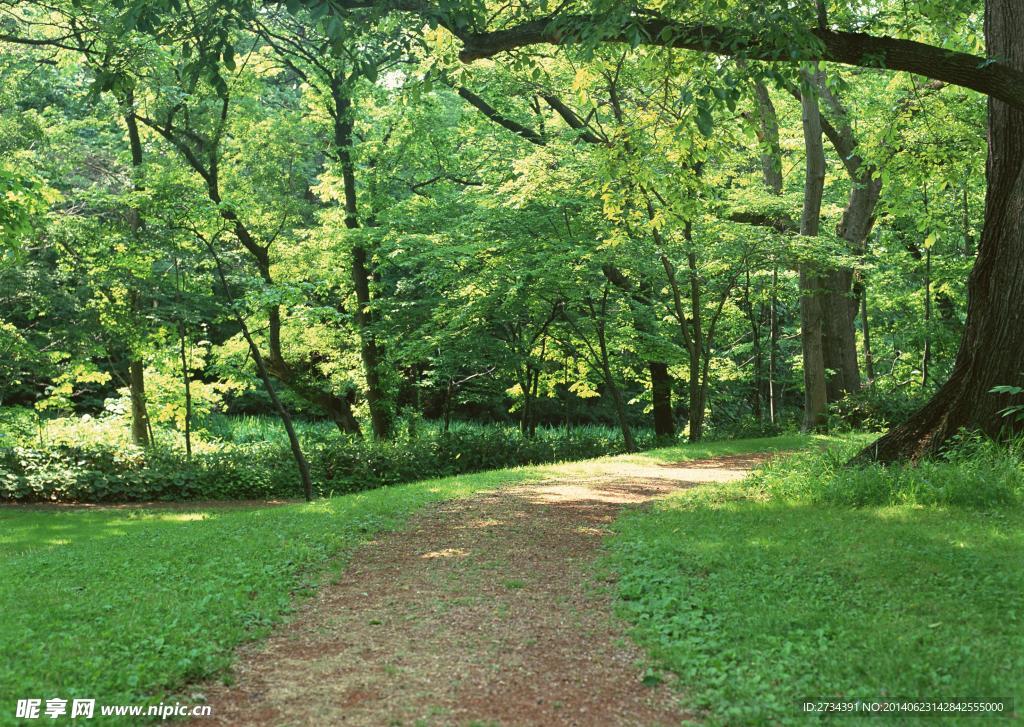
988,76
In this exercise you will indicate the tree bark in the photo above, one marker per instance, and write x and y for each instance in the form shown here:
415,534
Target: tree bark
811,313
841,302
137,389
768,136
661,400
369,349
994,76
992,349
136,368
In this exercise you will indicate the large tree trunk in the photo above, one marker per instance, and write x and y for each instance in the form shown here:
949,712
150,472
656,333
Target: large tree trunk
811,314
768,136
839,340
992,350
841,300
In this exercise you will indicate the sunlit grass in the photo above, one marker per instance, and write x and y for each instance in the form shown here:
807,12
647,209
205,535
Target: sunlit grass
761,602
130,604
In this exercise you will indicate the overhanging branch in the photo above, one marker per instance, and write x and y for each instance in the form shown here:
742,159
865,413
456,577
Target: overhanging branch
990,77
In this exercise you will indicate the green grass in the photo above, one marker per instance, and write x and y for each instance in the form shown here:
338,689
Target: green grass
762,596
127,606
131,605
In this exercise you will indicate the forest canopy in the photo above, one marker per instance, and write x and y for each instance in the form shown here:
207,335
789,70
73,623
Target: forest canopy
669,218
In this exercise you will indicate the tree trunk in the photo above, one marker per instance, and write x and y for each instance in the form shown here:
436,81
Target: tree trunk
261,368
755,339
524,380
661,400
695,423
869,357
137,389
617,401
370,353
644,323
696,397
774,391
839,339
840,301
532,428
839,305
768,136
136,368
992,349
811,314
186,383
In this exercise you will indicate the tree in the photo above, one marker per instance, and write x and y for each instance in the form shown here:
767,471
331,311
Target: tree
994,316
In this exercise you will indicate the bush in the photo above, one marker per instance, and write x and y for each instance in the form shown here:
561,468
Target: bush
265,469
874,408
973,472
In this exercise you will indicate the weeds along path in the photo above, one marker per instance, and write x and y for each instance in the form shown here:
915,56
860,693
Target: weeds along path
483,611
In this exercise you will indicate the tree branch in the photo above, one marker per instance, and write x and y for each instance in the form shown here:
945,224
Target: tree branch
987,76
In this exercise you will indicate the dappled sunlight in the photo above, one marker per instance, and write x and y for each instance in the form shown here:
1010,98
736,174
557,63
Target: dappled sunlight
447,553
31,528
485,523
183,517
912,594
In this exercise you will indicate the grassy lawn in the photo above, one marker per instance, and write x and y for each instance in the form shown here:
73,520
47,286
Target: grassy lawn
131,605
761,602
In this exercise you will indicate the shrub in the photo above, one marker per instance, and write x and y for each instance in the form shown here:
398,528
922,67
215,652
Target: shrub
973,472
265,470
873,408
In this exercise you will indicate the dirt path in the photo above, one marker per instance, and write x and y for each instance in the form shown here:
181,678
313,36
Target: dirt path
484,611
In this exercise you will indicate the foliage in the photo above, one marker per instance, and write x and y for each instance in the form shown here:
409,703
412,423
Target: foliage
492,206
973,473
260,467
1013,411
874,408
